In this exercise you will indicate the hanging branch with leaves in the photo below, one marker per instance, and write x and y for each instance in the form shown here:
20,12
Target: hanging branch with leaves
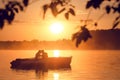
64,4
83,34
9,11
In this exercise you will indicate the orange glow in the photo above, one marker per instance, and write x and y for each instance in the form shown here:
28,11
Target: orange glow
56,28
56,76
56,53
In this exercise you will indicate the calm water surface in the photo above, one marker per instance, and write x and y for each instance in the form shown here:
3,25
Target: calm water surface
86,65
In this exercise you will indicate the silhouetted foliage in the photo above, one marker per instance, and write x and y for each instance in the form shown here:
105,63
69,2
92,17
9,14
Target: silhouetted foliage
45,7
108,9
25,2
115,24
82,35
113,6
94,3
67,15
9,11
56,11
72,11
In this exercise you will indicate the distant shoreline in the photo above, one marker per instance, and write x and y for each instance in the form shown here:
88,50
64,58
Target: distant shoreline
101,40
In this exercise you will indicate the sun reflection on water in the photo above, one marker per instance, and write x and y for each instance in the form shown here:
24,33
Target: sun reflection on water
56,76
56,53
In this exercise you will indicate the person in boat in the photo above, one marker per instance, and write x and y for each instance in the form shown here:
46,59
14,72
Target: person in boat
38,54
41,55
45,55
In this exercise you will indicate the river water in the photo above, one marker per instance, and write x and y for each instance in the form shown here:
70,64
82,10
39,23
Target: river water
85,65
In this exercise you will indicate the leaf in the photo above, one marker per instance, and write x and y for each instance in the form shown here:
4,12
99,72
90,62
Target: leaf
86,32
20,7
72,11
108,9
61,10
117,18
25,2
116,24
45,7
54,9
96,3
75,35
67,15
7,7
119,8
1,23
82,35
72,5
117,0
10,16
13,4
1,18
78,41
4,14
89,4
60,2
114,9
16,10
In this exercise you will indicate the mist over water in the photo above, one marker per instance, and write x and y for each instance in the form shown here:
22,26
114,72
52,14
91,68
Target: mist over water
85,65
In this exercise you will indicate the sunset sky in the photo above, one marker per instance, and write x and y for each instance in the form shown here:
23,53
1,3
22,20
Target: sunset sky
29,25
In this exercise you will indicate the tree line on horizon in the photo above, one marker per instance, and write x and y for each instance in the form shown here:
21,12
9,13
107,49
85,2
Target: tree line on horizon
102,39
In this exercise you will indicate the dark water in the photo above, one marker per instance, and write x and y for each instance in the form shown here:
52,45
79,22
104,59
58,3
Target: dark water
86,65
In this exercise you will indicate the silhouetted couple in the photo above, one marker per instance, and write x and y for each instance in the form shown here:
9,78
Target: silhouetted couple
41,55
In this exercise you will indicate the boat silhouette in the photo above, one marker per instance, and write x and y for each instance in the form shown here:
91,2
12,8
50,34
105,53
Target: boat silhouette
49,63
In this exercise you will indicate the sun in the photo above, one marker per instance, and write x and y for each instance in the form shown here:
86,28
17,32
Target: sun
56,28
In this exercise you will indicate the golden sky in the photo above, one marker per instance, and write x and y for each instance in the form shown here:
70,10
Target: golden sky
29,25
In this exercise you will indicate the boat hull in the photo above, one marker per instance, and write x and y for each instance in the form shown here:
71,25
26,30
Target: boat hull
49,63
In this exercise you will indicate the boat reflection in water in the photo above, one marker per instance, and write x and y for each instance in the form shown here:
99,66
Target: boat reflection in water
41,74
